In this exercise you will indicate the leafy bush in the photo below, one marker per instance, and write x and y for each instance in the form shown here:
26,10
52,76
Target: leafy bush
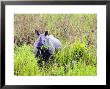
65,62
25,62
77,33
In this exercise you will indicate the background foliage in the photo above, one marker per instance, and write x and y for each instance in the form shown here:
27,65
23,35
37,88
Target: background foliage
77,33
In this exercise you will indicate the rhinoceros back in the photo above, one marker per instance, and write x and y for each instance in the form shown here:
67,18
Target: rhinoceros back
55,43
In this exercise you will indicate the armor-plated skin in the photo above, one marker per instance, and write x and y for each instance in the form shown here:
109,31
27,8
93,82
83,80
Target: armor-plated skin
46,45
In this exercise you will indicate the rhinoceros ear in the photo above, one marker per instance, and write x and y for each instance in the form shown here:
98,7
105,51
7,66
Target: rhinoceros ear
46,33
37,32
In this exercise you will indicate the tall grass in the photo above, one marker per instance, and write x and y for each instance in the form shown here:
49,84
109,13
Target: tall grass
77,33
66,27
70,61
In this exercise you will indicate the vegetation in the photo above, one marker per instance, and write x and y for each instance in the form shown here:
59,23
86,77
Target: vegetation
77,33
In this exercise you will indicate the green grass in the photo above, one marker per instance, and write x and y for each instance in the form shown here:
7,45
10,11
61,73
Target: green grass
72,60
25,62
77,33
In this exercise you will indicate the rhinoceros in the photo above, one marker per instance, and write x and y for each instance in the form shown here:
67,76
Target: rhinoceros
45,46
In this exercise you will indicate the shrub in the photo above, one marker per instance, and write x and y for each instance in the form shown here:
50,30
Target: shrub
77,33
65,62
25,62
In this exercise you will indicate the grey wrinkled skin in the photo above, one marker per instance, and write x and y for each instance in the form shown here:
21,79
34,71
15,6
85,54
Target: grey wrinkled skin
45,46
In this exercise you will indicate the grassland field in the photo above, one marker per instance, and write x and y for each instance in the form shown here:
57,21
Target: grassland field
77,33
